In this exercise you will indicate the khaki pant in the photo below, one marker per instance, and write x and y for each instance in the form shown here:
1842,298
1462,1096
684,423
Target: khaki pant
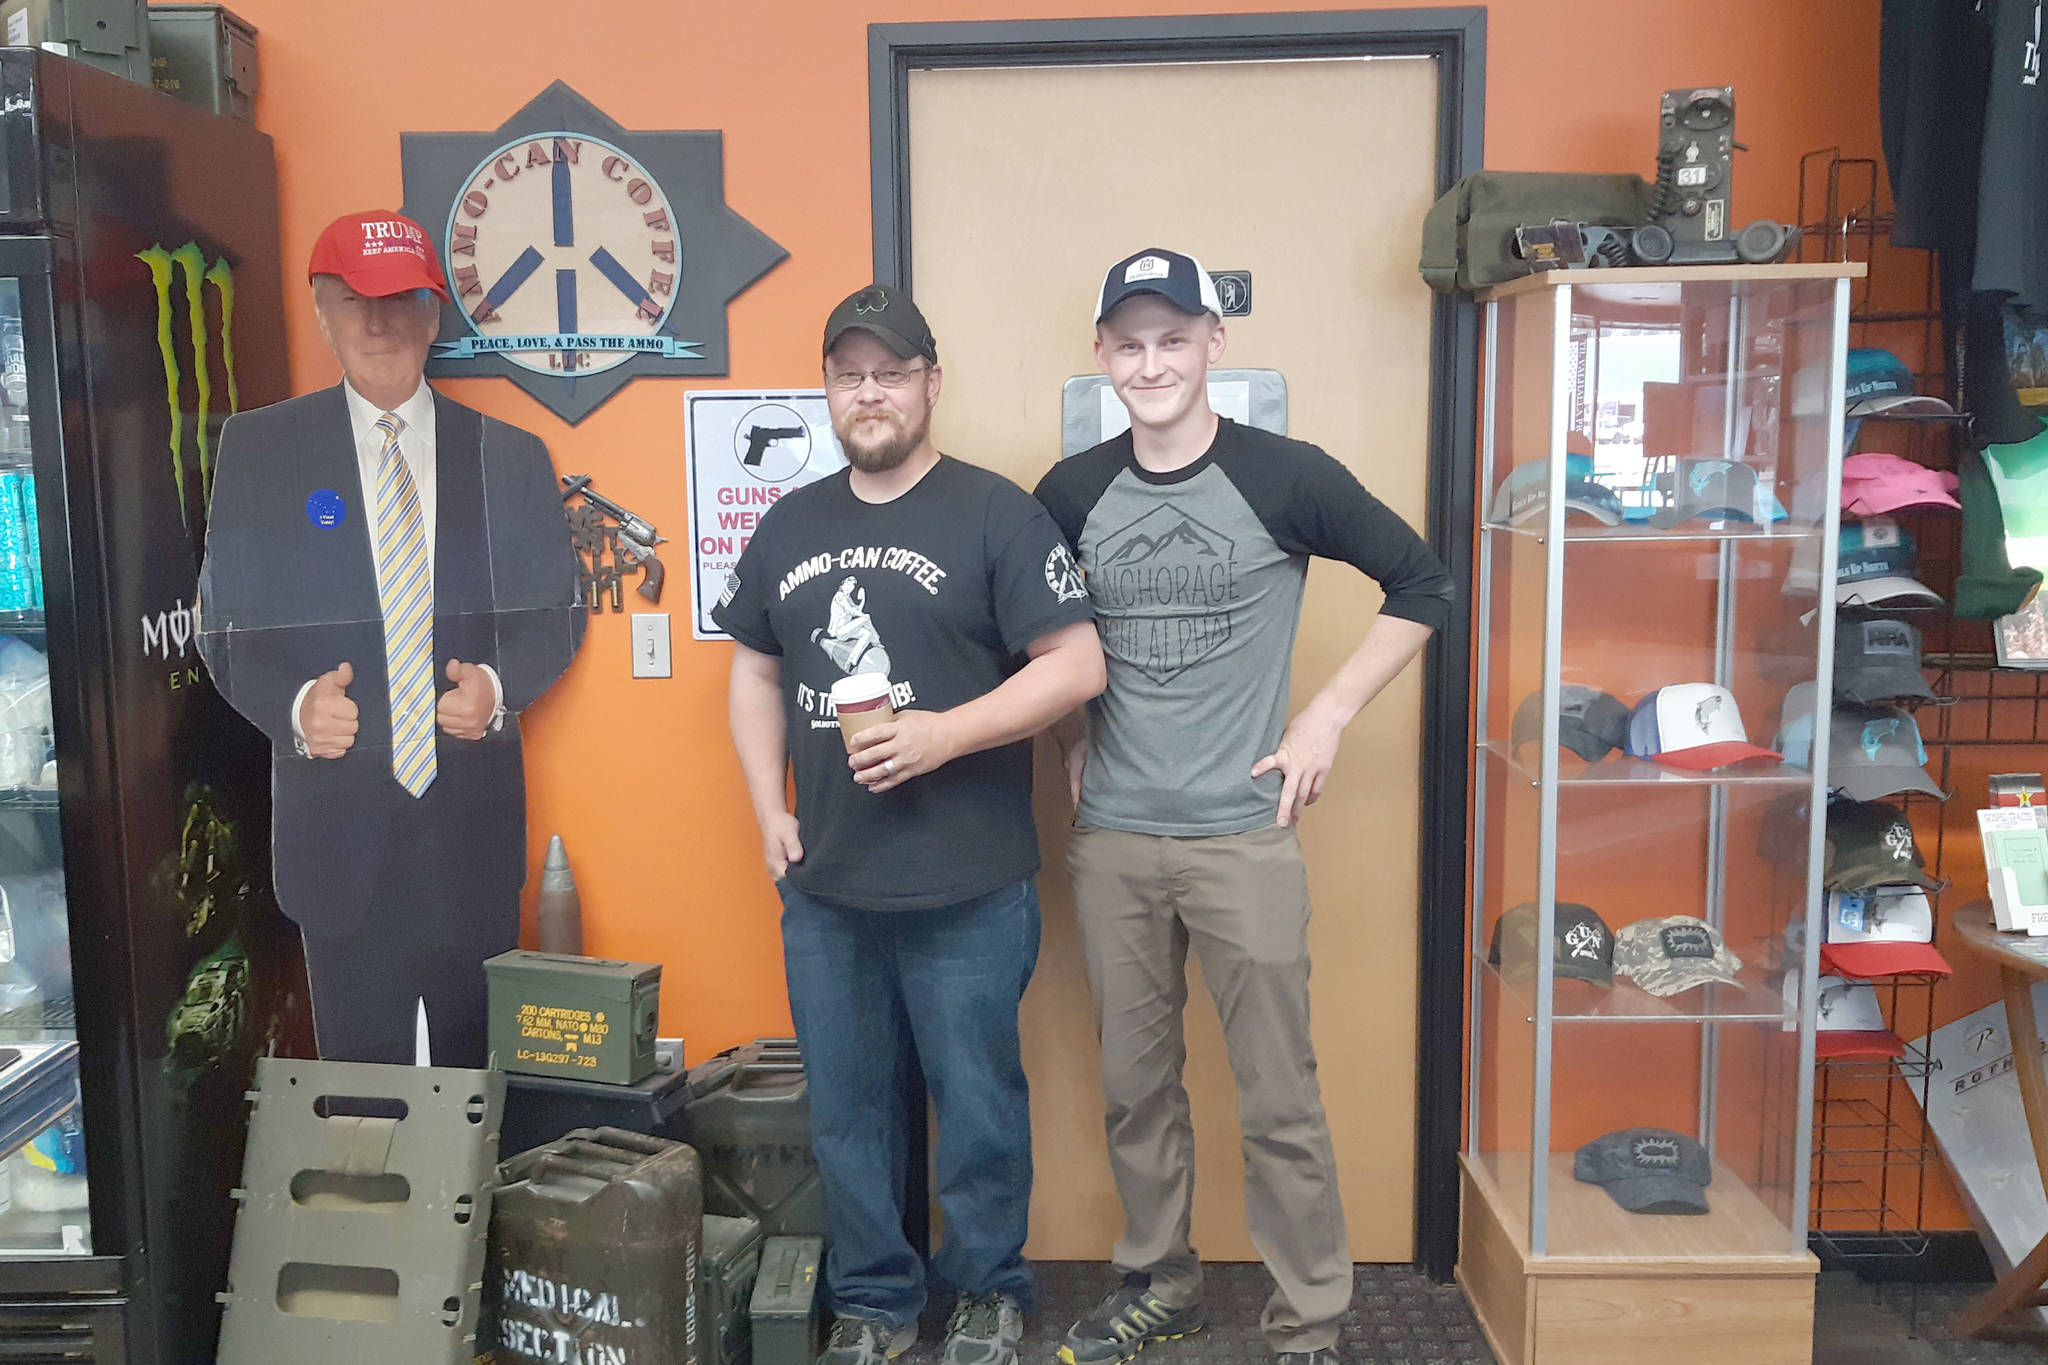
1242,901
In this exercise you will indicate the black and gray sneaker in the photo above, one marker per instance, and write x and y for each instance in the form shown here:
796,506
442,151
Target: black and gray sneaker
1326,1356
863,1341
1125,1322
983,1330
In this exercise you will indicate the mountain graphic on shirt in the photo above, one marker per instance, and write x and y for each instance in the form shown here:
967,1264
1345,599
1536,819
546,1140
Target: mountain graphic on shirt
1141,547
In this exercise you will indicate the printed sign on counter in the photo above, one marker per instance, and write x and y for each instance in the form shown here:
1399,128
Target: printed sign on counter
747,450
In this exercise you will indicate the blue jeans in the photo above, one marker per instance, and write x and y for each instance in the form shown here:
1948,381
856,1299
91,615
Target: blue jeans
875,993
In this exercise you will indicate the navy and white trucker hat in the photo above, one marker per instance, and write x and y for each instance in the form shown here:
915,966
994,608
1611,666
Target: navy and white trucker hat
1178,279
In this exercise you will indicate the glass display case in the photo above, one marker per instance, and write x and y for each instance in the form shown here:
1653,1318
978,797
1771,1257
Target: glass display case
43,1195
1660,465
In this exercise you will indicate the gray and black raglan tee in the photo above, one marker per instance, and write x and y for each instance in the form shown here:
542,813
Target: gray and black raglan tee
1196,578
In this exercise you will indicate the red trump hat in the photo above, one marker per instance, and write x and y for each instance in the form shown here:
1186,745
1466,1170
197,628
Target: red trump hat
377,254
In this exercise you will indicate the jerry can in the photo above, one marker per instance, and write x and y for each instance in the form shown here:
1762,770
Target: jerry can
725,1288
594,1252
749,1117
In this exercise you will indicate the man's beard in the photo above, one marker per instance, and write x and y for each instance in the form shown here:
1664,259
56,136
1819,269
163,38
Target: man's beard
887,452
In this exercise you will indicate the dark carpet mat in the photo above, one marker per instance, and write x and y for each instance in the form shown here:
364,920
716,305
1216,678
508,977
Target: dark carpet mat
1397,1318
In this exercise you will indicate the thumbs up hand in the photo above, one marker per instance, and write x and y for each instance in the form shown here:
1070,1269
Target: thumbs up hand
465,710
327,718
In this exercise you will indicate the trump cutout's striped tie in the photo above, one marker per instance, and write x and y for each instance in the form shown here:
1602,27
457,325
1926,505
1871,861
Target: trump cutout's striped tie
405,589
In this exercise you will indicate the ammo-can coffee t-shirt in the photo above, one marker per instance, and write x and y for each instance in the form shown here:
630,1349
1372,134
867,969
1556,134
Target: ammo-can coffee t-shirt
940,589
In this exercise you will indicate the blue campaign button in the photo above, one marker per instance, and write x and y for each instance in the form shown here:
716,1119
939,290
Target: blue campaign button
325,508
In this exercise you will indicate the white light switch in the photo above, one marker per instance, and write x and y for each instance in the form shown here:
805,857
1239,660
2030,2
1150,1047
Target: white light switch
650,644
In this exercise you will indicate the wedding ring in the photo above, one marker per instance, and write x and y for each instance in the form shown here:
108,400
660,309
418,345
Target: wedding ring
888,767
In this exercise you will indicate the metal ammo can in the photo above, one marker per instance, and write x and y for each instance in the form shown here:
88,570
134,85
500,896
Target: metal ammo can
587,1018
749,1116
594,1252
725,1288
788,1303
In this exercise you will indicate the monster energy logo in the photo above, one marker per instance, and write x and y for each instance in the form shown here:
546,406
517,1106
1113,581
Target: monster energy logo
195,274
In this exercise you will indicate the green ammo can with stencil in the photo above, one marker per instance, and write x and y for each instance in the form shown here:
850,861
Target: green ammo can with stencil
588,1018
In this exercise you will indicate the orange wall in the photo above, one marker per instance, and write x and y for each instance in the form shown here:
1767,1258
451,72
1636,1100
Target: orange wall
637,775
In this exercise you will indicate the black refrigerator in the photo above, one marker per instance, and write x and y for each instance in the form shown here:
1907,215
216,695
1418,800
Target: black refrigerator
143,963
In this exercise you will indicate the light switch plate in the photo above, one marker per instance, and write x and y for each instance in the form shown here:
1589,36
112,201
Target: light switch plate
650,644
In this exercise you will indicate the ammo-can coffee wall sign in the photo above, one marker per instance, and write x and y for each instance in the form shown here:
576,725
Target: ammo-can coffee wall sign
581,255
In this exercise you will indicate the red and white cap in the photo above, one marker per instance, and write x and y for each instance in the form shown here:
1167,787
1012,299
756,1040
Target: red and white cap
1849,1022
1691,725
377,254
1886,931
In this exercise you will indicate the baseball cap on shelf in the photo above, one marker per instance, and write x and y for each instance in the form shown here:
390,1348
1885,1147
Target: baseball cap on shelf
378,253
1590,723
1524,494
1713,489
1870,845
1582,944
887,314
1647,1170
1875,751
1691,725
1874,483
1877,660
1795,725
1848,1020
1879,382
1177,278
1886,931
1877,567
1674,953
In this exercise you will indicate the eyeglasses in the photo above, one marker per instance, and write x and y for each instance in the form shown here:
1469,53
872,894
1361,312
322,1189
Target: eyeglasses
894,377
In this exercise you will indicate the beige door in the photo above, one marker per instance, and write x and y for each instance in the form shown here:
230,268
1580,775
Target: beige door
1313,175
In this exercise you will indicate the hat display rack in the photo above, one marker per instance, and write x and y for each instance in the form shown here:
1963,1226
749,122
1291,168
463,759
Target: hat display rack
1873,1146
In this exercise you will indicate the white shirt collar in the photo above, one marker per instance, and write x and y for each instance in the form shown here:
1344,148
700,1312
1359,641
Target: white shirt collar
417,412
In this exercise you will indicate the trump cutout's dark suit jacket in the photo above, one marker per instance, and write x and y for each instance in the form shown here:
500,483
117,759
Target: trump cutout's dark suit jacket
285,598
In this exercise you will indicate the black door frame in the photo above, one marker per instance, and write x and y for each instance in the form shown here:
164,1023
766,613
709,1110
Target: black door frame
1456,38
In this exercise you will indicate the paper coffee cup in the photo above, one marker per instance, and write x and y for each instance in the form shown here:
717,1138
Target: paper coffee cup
861,701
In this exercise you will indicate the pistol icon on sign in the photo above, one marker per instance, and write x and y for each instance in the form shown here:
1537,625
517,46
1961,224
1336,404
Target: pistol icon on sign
760,438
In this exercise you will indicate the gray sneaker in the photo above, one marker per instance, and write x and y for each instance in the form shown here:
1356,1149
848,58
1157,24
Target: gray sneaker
1327,1356
863,1341
984,1330
1127,1320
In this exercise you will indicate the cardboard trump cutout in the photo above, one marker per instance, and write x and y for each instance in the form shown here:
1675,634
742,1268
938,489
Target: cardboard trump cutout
388,583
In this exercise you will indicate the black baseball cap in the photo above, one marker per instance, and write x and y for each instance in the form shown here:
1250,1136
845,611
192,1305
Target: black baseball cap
1647,1170
1877,660
1590,723
888,314
1870,845
1177,278
1582,944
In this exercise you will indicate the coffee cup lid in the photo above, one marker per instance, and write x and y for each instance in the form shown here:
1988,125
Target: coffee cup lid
860,687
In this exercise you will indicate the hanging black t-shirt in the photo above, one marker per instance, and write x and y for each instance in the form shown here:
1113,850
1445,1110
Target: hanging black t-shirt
941,589
2012,195
1934,65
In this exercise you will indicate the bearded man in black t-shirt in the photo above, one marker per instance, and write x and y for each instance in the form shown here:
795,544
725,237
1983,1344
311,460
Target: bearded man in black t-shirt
909,912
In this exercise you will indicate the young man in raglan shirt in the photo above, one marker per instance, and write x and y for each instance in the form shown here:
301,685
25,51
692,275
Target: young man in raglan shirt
910,914
1194,534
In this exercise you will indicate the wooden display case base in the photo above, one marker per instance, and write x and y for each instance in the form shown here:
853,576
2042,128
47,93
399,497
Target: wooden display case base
1677,1291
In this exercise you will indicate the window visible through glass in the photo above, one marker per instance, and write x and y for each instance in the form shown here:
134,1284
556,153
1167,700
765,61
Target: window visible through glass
893,377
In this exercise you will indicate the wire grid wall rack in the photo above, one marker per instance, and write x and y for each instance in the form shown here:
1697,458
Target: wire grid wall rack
1873,1147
